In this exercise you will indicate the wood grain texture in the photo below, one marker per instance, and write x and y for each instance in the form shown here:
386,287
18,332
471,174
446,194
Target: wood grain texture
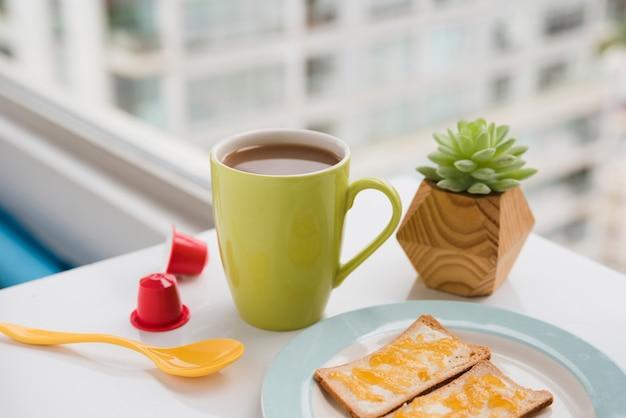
461,243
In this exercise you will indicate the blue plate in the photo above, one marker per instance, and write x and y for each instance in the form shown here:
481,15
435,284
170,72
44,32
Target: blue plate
584,381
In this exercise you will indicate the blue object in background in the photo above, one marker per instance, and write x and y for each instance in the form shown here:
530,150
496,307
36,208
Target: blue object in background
22,258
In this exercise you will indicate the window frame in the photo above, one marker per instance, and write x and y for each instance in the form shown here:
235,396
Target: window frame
130,169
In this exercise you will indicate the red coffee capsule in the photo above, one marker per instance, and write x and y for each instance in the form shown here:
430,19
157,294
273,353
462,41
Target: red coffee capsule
158,304
186,255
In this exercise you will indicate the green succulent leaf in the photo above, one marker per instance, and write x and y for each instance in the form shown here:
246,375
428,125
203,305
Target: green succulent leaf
447,151
484,174
482,141
501,132
466,166
503,161
442,139
466,145
478,158
504,184
449,173
454,140
479,188
518,150
492,135
452,185
519,174
429,172
484,155
440,158
514,165
504,146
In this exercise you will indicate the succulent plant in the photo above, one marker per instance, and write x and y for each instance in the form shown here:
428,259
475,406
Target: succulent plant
479,158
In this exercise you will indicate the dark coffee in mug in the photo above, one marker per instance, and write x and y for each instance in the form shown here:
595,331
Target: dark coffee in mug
280,235
281,159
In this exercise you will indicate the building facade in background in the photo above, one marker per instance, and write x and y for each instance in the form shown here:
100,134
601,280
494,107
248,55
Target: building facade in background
381,74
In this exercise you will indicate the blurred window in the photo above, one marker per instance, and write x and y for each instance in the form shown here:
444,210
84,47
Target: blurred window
552,75
585,128
501,38
58,39
326,126
5,49
321,12
579,181
445,48
391,121
5,44
390,61
570,133
563,19
442,106
381,9
132,24
571,232
372,69
449,2
235,93
616,9
56,19
321,75
210,23
500,89
140,97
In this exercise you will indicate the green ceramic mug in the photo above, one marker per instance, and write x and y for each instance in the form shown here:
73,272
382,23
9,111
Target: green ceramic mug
280,235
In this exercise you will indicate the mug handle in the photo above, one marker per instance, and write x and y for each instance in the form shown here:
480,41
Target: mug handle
396,207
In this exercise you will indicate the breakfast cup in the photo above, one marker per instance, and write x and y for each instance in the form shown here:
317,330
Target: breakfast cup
280,235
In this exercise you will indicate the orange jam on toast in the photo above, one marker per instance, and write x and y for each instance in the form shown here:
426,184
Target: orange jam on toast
398,367
478,393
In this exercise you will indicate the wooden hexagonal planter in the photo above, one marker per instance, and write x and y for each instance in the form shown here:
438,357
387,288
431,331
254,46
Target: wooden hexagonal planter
461,243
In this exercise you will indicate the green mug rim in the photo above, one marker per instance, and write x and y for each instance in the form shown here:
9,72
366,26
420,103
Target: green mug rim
283,131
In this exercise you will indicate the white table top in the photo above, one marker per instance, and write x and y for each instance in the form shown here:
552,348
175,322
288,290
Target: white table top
548,282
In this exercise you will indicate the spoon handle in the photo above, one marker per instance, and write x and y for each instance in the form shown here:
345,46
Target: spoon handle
36,336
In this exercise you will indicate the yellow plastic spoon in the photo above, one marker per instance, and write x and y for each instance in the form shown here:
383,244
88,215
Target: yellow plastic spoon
192,360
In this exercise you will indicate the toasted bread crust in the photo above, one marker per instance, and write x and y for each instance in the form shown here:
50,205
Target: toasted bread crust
477,354
542,398
346,406
539,407
539,398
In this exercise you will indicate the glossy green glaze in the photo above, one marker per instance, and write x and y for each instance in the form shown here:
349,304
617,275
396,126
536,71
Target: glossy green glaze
280,236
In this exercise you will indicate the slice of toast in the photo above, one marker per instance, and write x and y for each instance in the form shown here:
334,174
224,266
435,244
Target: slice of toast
422,357
482,391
